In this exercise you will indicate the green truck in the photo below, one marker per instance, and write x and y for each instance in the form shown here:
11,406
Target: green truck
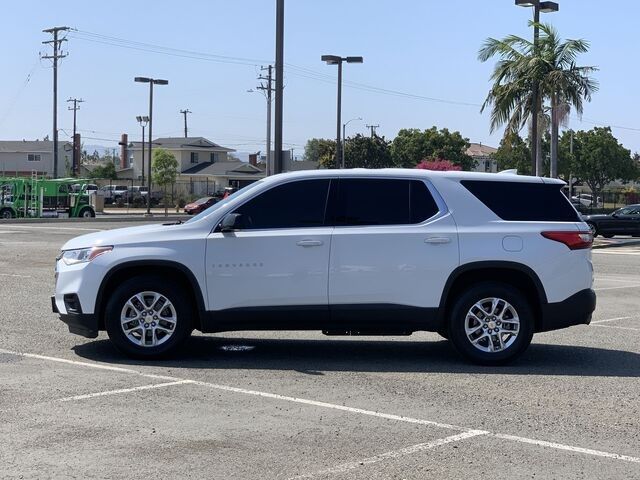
22,197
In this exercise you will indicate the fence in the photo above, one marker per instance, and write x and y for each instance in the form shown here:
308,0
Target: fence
131,192
607,201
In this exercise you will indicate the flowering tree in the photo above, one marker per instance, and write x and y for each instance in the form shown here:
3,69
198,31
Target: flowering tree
439,164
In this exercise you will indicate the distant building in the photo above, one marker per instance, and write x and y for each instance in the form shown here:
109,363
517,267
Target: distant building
482,156
23,157
289,163
189,152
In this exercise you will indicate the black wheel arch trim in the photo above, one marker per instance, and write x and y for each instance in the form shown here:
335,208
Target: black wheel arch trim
195,286
502,264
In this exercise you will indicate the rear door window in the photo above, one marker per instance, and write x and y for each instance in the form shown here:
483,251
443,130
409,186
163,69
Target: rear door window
372,201
523,201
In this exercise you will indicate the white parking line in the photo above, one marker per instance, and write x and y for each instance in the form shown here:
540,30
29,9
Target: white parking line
333,406
569,448
123,390
14,275
54,227
619,328
610,320
420,447
615,288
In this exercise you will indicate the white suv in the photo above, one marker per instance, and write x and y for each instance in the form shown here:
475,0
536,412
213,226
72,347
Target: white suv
483,259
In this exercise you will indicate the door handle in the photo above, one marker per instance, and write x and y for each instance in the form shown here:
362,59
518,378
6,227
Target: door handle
437,240
310,243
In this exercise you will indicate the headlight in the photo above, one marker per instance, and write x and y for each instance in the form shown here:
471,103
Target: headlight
81,255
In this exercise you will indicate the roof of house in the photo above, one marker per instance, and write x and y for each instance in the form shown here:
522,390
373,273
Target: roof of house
28,146
301,165
222,168
480,150
185,143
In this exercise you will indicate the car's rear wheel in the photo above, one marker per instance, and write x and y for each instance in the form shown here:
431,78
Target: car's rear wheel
593,228
148,317
491,324
6,213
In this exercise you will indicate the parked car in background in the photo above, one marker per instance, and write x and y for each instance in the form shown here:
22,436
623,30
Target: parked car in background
199,205
587,200
624,221
579,206
113,193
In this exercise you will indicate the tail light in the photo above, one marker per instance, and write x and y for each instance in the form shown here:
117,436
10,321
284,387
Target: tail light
574,240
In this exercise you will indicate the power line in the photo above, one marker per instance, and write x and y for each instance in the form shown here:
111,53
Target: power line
159,49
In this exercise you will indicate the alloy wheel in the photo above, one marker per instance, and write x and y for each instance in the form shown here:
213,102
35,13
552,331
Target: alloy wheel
148,319
492,325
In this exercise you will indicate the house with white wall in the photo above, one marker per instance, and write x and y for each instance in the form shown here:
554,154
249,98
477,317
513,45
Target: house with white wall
23,157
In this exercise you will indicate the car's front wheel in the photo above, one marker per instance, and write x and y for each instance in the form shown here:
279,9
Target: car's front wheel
491,323
148,316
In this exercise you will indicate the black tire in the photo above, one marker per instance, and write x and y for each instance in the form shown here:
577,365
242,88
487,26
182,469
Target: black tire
463,305
593,228
175,293
6,213
608,236
86,212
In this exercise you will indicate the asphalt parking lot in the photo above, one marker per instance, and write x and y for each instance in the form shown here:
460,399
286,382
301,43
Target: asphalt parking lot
301,405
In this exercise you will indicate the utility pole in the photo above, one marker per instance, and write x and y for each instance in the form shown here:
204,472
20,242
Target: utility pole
76,148
277,163
185,112
57,54
268,88
373,129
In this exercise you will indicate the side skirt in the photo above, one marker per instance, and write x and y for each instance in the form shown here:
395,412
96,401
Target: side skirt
358,319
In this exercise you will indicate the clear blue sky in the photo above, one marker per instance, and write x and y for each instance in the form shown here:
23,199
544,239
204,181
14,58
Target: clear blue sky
421,47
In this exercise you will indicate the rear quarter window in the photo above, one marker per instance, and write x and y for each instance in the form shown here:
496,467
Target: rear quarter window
522,201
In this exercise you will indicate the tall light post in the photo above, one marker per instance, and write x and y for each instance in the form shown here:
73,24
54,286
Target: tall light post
538,7
344,136
151,82
142,120
338,60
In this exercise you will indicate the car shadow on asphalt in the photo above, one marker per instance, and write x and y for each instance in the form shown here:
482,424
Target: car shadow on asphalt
316,356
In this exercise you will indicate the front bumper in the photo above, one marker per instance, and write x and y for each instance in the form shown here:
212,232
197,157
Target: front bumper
575,310
83,324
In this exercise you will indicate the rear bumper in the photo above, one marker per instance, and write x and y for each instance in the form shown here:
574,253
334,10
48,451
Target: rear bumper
575,310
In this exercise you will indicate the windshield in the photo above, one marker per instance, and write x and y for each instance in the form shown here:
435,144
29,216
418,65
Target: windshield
200,201
222,203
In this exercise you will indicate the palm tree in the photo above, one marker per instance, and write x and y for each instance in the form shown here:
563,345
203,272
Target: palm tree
551,66
564,83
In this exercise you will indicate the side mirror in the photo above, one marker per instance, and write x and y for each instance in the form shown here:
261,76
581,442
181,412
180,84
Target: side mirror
232,222
614,214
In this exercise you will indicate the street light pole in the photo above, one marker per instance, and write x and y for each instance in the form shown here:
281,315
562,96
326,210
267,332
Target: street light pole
544,7
151,82
337,60
142,120
344,136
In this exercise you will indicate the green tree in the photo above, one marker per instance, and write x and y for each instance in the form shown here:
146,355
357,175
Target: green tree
367,152
321,150
413,145
165,171
521,67
598,158
513,152
106,170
